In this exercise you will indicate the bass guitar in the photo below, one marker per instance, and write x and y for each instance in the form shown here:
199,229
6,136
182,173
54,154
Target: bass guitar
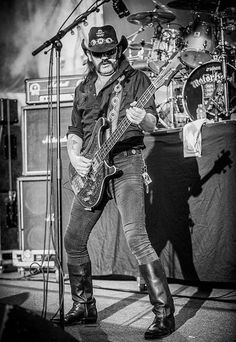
89,189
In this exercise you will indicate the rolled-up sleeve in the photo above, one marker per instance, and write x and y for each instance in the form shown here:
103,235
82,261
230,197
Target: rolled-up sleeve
76,117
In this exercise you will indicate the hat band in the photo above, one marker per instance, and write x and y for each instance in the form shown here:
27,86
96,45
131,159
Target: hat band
101,41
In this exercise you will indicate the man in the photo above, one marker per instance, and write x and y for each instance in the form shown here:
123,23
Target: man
111,88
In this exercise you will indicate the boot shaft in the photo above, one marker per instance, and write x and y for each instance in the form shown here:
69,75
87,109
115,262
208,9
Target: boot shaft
157,286
81,282
161,299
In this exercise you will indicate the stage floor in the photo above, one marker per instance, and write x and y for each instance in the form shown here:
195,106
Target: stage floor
202,313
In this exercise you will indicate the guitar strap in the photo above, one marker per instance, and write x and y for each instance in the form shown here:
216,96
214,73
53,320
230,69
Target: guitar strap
114,106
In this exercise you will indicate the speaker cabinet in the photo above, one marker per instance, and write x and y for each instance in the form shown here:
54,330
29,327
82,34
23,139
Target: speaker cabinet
33,216
38,124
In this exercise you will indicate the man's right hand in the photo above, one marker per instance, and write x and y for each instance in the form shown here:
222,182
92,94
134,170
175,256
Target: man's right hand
81,164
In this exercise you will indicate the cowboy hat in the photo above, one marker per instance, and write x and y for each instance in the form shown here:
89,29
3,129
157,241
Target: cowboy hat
103,39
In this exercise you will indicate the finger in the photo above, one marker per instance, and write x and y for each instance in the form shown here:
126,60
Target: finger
129,116
132,112
83,171
85,161
133,103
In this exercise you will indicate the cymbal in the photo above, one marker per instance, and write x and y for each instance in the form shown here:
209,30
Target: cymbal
142,45
146,18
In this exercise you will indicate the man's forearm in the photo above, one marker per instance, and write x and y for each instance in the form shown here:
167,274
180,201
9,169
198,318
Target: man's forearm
74,145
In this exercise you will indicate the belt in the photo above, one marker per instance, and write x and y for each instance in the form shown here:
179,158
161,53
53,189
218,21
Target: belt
126,153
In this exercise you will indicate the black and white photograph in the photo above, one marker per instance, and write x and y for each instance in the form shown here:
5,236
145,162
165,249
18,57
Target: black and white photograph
118,170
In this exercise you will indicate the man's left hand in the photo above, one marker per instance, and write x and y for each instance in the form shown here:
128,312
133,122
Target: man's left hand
135,114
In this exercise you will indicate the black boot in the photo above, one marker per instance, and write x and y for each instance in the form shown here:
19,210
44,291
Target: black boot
84,306
161,299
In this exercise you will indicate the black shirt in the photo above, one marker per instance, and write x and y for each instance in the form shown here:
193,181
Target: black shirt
88,106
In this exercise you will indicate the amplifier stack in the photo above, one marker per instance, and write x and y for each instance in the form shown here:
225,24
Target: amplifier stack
39,91
39,142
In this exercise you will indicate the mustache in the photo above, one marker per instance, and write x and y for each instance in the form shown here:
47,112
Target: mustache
104,63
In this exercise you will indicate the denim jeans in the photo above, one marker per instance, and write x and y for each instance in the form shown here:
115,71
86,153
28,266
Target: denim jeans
127,190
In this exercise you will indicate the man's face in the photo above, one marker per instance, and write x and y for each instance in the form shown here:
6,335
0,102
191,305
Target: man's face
105,63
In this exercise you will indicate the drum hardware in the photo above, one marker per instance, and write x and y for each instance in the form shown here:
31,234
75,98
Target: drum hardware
150,51
141,45
161,48
169,103
135,34
157,31
224,67
227,35
166,109
200,52
172,103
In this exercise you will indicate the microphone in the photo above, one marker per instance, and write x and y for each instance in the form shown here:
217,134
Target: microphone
120,8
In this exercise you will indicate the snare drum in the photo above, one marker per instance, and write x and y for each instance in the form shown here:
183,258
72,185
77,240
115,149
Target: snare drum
198,43
204,87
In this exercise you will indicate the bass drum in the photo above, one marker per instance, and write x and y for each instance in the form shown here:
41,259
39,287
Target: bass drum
204,87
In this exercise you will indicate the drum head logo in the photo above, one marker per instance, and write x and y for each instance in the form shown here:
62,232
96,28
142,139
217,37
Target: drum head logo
205,87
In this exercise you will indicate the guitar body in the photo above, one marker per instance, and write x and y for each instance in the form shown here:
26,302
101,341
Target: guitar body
89,189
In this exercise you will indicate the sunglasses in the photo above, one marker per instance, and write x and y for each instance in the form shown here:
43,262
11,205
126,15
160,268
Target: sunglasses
106,54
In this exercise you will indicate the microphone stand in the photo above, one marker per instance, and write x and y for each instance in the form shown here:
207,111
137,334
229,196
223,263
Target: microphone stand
224,70
55,41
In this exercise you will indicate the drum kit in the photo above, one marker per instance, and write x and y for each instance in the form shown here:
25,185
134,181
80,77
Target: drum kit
205,86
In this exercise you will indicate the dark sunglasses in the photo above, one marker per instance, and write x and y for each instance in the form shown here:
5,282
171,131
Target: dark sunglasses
106,54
